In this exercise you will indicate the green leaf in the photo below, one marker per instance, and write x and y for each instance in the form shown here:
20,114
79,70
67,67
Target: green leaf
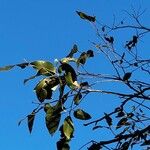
69,80
77,98
45,87
68,128
41,92
44,67
86,17
68,68
31,118
68,59
52,118
82,115
6,68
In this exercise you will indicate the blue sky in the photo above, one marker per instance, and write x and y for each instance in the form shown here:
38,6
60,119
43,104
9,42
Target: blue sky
45,29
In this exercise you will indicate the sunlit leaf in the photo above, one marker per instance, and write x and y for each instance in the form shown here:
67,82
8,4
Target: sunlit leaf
68,59
68,128
43,66
69,81
82,115
31,118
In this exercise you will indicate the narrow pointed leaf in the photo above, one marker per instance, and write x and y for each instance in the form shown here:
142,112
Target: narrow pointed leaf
121,122
6,68
86,17
31,118
82,115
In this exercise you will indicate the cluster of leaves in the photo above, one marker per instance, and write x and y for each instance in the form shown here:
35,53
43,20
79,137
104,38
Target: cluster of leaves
64,78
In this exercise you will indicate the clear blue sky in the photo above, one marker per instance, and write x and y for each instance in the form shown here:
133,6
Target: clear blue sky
44,29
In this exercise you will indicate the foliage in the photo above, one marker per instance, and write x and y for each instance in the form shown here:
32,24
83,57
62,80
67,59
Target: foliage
127,121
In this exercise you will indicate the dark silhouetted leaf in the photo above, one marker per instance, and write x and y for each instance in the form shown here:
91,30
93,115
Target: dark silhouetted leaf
90,53
95,146
73,51
6,68
130,115
108,119
82,115
127,76
31,118
103,28
84,84
68,128
62,144
82,58
132,43
23,65
85,16
120,114
122,122
109,39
